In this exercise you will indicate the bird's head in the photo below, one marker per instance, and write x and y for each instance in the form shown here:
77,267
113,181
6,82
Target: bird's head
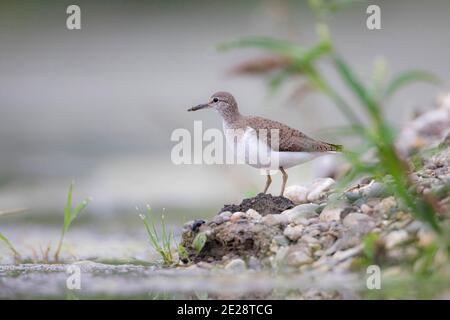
223,102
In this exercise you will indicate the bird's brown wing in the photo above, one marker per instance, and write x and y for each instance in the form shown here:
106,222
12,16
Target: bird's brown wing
290,140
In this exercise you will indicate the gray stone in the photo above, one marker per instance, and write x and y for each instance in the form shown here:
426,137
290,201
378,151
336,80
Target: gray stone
359,221
298,256
293,232
274,219
353,195
217,220
281,240
375,190
395,238
303,211
318,188
254,264
253,215
331,213
309,239
225,214
296,194
236,265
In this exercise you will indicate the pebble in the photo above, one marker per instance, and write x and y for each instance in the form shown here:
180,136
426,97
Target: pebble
318,188
359,220
281,240
301,221
374,190
353,195
297,194
274,219
309,239
225,214
319,253
345,254
298,256
313,232
253,214
366,209
204,265
323,226
254,264
395,238
327,241
293,232
237,216
425,237
236,265
314,220
331,214
386,205
217,220
303,211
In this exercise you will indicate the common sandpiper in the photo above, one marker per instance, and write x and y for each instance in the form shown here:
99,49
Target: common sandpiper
289,147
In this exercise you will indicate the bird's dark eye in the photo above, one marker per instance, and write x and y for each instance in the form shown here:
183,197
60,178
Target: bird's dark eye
215,100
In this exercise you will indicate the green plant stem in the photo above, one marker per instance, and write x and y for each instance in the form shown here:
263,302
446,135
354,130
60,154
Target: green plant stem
10,246
60,243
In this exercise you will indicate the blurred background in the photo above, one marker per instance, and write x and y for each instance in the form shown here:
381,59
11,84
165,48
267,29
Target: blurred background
99,105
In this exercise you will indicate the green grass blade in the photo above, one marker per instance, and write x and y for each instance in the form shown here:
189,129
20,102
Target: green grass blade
300,55
160,245
199,242
68,208
78,209
9,245
408,77
182,252
153,236
357,88
279,46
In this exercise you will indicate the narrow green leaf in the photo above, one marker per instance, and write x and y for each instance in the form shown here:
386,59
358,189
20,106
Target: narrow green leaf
68,209
78,209
358,88
278,79
300,55
9,245
369,245
408,77
280,46
182,252
199,242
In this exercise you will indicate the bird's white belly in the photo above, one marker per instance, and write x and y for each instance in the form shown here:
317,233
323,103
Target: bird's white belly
256,153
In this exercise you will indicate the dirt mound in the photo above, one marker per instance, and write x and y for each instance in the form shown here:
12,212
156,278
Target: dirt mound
264,204
241,239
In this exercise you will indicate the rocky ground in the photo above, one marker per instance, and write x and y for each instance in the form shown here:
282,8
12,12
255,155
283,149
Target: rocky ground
321,228
314,243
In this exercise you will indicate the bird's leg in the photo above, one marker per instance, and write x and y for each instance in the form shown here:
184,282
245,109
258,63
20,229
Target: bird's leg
268,182
285,177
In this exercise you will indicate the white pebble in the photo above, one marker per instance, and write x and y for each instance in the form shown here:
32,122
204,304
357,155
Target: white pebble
293,232
318,188
253,214
296,194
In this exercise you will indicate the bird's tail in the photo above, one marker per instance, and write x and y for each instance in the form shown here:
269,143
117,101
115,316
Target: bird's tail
336,147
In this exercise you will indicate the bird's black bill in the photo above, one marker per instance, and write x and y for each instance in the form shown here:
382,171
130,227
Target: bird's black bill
199,107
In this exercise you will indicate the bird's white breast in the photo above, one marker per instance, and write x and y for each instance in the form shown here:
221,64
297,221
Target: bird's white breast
255,152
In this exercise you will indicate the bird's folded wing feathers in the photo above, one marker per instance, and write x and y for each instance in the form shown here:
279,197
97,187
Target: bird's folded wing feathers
290,140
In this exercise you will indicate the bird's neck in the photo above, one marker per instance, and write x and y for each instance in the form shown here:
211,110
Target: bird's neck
230,116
